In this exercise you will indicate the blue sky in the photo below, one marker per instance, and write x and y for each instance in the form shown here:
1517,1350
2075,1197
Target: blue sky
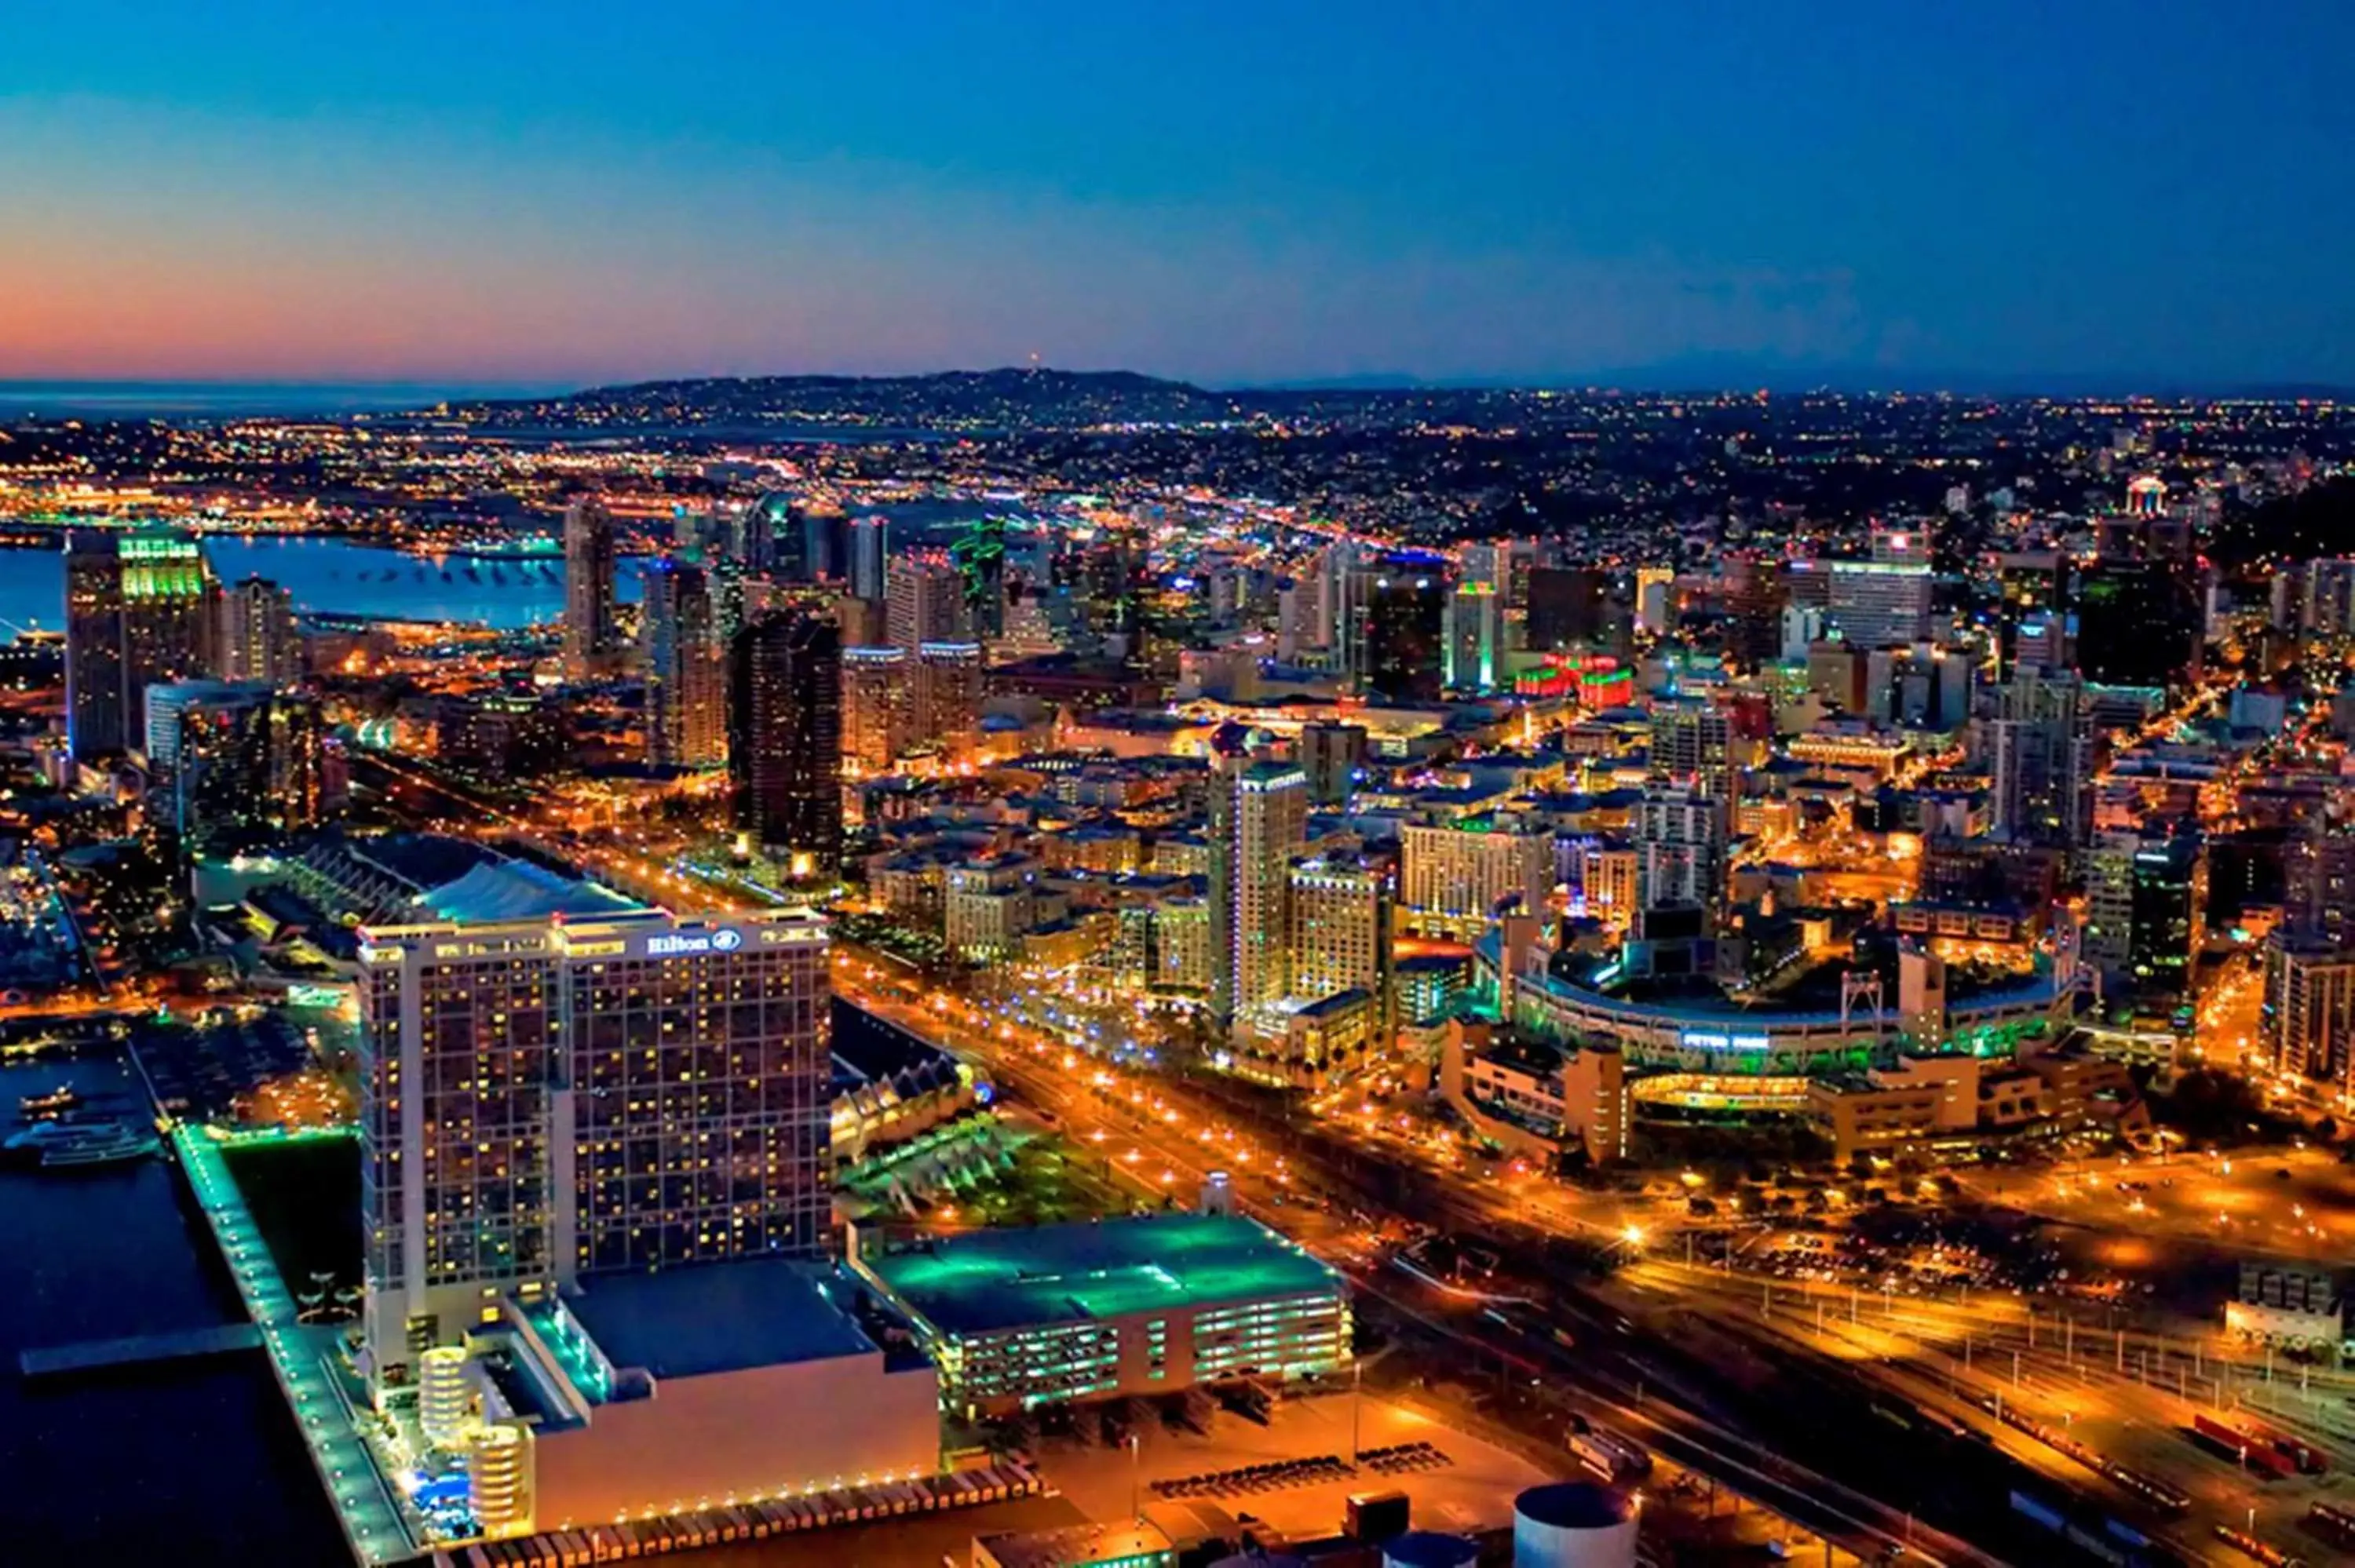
2152,194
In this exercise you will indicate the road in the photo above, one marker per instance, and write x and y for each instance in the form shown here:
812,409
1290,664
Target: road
1166,1134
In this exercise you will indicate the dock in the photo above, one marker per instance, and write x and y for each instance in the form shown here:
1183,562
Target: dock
138,1350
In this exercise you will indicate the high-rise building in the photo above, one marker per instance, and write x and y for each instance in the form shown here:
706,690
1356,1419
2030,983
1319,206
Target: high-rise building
592,645
503,735
2319,874
2145,897
237,764
1679,838
926,600
2138,624
556,1083
1401,659
687,669
2310,1007
1333,756
1883,602
1455,876
878,706
1341,918
948,693
1475,637
137,615
1692,743
785,754
254,633
1259,822
2041,753
870,550
1571,610
2326,598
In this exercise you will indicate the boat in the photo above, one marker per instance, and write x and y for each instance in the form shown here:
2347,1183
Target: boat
56,1103
67,1145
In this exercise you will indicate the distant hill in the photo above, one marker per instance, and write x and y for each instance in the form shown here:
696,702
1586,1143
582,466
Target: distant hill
953,400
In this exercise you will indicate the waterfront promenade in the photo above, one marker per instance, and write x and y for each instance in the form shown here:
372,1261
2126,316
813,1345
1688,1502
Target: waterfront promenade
303,1356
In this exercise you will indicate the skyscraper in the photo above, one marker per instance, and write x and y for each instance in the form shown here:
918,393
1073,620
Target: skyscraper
1404,658
948,693
591,644
687,689
870,549
1679,850
1883,602
136,616
2145,897
2139,623
1340,927
925,600
785,754
2040,752
237,764
1259,822
878,706
1332,755
556,1083
1475,637
254,633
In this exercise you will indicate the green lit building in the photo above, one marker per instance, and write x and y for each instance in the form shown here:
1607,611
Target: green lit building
136,614
1016,1318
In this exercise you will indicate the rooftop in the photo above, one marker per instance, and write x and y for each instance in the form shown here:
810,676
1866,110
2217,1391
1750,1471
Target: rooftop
990,1280
517,890
719,1317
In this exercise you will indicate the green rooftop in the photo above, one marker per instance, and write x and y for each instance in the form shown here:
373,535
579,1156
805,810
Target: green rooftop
990,1280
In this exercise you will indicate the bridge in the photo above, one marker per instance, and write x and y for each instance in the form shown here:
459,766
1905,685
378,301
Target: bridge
139,1350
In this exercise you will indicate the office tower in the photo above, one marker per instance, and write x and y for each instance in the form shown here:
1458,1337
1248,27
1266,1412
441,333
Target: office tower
1884,601
591,645
1341,918
1679,838
1475,636
877,707
254,633
1570,610
768,539
1259,822
1398,639
823,551
1454,877
926,601
1334,758
1110,597
2040,642
2138,624
135,615
2040,746
2032,596
237,764
1752,596
784,753
2145,897
948,693
556,1083
870,549
687,669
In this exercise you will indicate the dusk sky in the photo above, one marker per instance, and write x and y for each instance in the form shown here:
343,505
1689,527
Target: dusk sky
2153,193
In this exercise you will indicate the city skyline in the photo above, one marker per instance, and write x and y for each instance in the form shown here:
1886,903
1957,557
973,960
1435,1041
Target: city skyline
1784,197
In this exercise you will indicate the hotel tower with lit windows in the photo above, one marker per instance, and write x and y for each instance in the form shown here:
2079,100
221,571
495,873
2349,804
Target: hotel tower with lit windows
558,1084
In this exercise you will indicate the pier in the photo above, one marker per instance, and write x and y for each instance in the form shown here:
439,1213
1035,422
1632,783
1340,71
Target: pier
139,1350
